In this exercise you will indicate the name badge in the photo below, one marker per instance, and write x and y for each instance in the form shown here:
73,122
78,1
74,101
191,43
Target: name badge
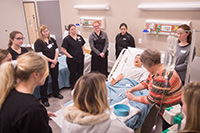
183,51
79,39
49,46
124,38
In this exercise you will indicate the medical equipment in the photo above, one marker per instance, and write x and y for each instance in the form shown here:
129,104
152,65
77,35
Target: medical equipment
78,29
169,64
169,60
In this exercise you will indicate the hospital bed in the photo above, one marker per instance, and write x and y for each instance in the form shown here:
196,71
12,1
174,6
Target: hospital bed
116,93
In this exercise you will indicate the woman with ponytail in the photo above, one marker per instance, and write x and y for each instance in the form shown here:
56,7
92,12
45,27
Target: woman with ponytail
14,46
183,50
20,111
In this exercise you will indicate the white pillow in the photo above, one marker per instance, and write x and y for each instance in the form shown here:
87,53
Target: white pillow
132,52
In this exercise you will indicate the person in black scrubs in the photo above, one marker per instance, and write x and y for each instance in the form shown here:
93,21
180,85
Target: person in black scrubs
20,111
73,48
14,46
49,49
98,41
123,40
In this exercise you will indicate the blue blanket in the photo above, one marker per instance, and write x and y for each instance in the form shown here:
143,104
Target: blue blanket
117,93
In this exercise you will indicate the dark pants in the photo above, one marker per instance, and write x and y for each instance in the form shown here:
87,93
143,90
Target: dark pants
99,64
76,70
54,76
151,120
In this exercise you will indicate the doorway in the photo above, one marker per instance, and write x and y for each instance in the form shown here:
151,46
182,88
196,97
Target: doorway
31,21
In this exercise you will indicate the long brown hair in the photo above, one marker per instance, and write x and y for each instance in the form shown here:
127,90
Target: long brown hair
12,36
191,96
3,54
187,28
90,93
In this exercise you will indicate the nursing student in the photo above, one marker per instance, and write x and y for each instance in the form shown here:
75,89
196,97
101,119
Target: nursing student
49,49
5,56
73,48
14,46
183,51
98,41
123,39
163,93
20,111
88,113
191,107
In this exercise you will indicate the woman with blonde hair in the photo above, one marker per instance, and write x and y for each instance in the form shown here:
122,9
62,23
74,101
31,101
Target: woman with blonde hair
98,41
88,112
4,56
14,46
191,107
20,111
49,49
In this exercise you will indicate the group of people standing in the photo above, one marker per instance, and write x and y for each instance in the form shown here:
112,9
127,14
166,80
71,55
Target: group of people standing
73,48
20,111
48,47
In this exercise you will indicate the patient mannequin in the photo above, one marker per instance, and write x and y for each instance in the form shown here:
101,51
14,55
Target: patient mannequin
137,72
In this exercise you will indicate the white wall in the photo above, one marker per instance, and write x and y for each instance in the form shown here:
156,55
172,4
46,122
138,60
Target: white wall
12,18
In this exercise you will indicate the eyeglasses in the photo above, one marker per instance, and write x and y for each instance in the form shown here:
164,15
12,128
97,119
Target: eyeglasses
96,26
20,38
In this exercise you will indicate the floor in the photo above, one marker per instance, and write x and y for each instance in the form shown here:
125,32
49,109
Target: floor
56,104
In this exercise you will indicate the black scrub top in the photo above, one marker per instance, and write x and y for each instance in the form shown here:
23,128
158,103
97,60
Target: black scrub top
74,47
123,41
15,54
22,113
48,49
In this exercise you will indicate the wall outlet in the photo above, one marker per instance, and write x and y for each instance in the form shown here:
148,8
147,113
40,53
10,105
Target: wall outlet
140,40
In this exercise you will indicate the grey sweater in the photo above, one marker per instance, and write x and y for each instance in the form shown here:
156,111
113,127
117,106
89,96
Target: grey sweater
182,57
77,121
94,37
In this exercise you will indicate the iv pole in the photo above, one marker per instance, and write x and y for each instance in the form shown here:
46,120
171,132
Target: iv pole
190,57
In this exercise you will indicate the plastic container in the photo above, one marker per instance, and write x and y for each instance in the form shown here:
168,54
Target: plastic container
121,110
145,34
78,29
